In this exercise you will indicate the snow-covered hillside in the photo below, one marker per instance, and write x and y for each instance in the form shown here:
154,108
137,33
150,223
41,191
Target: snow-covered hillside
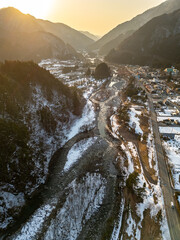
42,108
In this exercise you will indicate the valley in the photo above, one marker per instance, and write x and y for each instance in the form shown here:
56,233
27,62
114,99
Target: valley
106,172
90,125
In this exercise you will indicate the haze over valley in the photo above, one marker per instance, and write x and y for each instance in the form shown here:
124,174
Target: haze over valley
90,120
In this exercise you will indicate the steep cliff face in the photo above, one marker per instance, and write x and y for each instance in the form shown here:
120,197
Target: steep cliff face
157,42
36,110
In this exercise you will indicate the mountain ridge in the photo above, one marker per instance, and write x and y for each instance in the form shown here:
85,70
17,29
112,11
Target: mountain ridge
14,20
157,42
69,35
90,35
136,22
23,38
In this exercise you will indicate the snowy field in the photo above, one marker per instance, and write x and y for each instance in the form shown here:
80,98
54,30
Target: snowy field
134,122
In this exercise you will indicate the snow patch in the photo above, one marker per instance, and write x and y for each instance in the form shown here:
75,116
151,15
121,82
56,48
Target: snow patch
12,202
170,130
115,126
87,120
31,229
77,151
131,226
83,200
129,158
134,121
117,227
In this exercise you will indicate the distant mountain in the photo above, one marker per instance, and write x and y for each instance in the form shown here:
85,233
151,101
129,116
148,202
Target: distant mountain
33,46
156,43
23,38
90,35
69,35
13,20
134,24
104,50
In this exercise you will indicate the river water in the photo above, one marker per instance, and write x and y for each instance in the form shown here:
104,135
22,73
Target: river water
76,204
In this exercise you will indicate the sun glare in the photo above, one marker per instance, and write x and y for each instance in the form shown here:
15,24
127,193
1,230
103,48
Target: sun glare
37,8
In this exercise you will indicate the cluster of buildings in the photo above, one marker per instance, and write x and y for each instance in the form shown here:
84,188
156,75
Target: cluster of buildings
172,71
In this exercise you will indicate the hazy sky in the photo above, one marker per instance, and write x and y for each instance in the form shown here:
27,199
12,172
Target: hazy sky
96,16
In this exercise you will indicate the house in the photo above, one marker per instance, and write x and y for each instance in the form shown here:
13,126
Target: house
171,70
168,136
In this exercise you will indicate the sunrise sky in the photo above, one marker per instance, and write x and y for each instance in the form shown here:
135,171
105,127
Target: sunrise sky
95,16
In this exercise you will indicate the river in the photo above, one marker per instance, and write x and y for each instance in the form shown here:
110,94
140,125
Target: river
77,203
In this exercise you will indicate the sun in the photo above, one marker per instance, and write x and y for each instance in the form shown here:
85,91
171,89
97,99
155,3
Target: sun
37,8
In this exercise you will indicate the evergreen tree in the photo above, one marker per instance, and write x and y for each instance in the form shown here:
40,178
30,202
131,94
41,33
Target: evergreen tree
88,72
102,71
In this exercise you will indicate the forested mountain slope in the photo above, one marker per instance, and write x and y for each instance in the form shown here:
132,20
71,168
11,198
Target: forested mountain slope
35,112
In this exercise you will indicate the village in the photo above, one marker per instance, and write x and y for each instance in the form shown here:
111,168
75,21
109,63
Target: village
163,88
144,119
